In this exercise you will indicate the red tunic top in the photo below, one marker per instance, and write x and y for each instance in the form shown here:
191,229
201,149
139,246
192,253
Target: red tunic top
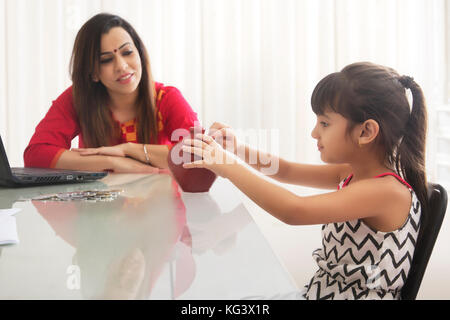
60,126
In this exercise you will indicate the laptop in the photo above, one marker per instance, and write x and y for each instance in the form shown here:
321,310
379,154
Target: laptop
25,177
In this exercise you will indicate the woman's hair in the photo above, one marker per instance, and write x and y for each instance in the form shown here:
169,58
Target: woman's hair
363,91
90,98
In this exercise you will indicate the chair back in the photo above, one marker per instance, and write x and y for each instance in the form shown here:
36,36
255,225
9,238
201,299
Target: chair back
430,224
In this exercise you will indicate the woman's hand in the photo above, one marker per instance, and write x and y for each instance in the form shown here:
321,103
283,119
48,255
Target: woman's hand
214,157
127,165
115,151
225,136
157,153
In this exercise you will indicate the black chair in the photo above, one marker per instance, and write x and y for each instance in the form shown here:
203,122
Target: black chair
430,225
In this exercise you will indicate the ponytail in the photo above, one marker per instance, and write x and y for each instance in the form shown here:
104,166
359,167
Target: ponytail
410,156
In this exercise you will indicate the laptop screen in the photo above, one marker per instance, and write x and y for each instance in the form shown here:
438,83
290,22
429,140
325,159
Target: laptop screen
5,169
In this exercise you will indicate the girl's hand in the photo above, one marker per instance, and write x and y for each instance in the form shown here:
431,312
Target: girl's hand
225,136
215,158
115,151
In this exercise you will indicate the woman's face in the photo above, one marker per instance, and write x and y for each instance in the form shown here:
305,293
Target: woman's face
120,68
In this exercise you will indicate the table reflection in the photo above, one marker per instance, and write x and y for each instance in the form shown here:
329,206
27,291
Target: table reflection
210,228
122,245
150,242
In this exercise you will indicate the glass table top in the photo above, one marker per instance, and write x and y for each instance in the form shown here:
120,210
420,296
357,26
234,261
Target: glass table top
142,238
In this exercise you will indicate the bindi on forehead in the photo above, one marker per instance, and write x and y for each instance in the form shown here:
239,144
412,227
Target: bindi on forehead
116,50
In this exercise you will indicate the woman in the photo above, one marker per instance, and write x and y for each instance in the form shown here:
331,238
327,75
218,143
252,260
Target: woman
124,120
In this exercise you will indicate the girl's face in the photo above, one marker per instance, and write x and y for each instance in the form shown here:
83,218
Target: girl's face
333,141
120,64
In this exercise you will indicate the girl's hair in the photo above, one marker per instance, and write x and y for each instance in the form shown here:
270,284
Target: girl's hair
90,98
363,91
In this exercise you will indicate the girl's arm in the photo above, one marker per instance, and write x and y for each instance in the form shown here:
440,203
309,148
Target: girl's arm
363,199
316,176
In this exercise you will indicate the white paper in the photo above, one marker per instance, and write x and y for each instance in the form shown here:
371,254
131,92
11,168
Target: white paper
8,226
9,212
8,230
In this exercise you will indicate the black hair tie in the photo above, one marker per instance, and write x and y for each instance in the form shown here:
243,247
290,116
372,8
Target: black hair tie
406,81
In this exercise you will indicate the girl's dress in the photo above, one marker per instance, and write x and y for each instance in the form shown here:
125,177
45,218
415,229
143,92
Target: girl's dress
357,262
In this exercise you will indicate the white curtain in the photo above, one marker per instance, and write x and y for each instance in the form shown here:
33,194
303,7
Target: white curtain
250,63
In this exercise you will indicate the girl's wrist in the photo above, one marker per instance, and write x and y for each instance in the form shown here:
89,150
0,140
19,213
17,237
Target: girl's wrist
228,170
225,170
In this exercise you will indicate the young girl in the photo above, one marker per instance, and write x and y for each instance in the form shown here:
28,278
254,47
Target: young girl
374,145
124,118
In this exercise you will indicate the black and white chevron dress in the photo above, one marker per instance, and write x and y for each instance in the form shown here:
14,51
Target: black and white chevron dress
357,262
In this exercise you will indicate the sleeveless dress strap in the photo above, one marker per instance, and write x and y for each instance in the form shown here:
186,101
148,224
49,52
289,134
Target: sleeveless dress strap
349,178
396,176
346,182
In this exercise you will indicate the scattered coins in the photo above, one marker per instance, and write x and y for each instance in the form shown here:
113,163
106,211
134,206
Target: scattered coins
91,196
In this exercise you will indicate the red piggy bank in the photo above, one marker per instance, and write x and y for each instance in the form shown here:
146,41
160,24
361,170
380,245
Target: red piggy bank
190,180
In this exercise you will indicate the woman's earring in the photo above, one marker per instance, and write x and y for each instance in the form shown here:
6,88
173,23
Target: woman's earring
93,78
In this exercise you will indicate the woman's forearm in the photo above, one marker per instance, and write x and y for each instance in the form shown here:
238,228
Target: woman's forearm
157,154
74,161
